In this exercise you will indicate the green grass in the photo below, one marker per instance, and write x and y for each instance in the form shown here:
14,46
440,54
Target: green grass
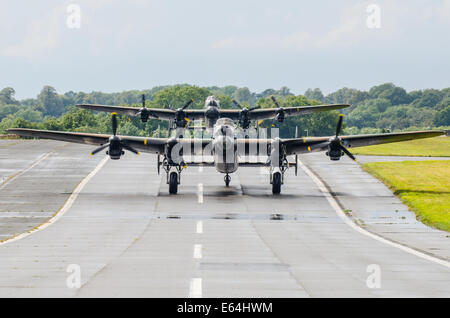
428,147
424,186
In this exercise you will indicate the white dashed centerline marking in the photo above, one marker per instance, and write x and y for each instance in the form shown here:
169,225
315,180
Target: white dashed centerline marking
199,228
197,251
200,193
195,288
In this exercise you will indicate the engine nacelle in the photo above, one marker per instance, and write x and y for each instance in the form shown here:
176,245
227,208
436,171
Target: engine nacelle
334,149
145,114
280,115
115,149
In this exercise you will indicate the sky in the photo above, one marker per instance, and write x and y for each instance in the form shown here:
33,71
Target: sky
137,44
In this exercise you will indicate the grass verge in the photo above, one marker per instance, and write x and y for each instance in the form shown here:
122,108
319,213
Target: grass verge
424,186
428,147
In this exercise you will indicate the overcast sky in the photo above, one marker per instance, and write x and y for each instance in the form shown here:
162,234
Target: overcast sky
261,44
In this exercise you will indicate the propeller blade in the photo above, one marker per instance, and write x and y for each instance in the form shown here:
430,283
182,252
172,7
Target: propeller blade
125,146
114,123
348,153
339,124
254,107
143,100
275,101
237,104
187,104
99,149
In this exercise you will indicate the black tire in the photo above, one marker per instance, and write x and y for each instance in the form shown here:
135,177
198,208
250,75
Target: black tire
276,183
227,181
173,183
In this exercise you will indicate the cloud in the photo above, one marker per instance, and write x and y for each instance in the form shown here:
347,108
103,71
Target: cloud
42,34
397,20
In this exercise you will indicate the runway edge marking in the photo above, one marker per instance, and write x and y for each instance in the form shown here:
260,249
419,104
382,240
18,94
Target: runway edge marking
21,172
67,205
333,202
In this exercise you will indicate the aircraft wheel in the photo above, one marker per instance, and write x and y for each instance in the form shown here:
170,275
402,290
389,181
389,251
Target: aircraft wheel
276,183
227,180
173,183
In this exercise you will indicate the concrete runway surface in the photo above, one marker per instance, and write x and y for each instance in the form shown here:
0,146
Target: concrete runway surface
129,237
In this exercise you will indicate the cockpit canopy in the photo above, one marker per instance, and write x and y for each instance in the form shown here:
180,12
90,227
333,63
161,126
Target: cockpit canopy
225,122
224,126
212,101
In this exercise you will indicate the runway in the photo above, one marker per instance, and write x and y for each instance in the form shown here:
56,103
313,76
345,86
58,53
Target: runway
131,238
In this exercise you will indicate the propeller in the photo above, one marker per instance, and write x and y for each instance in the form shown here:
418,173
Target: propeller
280,116
335,146
180,115
144,112
115,144
244,115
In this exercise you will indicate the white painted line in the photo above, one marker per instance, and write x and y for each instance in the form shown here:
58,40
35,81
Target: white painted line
198,251
14,176
65,207
26,214
200,193
199,228
195,288
350,223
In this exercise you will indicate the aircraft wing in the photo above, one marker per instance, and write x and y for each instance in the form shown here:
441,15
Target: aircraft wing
266,113
313,144
144,144
158,113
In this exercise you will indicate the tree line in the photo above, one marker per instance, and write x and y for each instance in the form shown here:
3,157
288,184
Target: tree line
382,108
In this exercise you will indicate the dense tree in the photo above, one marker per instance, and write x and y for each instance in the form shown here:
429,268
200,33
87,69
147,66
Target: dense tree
442,118
345,96
177,96
376,91
315,94
7,96
51,102
429,98
384,107
243,95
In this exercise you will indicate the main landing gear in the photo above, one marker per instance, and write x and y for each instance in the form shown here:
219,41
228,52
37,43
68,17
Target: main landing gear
227,180
173,174
276,180
277,174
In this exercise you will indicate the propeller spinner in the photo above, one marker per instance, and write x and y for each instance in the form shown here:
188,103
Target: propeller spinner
115,144
244,116
280,116
335,147
144,112
180,115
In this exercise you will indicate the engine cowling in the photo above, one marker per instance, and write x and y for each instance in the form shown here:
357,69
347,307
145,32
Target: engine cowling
145,114
280,115
115,149
334,149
